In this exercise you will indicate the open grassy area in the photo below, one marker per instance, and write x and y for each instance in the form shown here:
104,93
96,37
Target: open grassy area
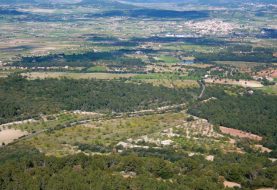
104,76
97,69
173,83
4,74
196,137
242,65
165,79
103,132
160,76
167,59
49,122
270,89
190,47
153,77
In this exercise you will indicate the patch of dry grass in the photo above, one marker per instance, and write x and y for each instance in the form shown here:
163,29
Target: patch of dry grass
173,83
103,76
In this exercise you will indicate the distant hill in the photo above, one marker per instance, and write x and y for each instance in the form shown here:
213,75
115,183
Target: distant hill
60,1
37,1
212,2
154,13
110,3
17,1
10,12
107,3
117,2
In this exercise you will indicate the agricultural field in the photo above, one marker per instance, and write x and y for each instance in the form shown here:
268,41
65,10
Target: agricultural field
244,66
172,83
102,76
244,83
167,59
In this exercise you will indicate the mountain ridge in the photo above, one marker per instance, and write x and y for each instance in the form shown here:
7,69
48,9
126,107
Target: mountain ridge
214,2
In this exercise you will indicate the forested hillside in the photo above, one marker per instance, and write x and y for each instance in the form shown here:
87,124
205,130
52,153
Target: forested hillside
29,169
255,113
24,98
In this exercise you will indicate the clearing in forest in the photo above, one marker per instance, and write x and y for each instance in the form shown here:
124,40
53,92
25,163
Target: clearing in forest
9,135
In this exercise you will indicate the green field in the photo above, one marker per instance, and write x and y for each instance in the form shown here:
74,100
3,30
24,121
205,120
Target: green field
98,75
270,89
160,76
50,122
97,69
168,59
106,133
175,83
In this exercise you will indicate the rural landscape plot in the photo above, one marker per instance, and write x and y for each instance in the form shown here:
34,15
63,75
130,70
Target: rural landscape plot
107,94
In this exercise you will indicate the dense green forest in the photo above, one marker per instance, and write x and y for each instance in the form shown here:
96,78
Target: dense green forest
25,168
256,113
240,53
24,98
79,60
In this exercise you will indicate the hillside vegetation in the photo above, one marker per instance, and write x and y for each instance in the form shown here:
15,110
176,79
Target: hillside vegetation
24,98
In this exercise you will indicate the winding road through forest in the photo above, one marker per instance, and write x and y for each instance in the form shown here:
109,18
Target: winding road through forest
203,86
